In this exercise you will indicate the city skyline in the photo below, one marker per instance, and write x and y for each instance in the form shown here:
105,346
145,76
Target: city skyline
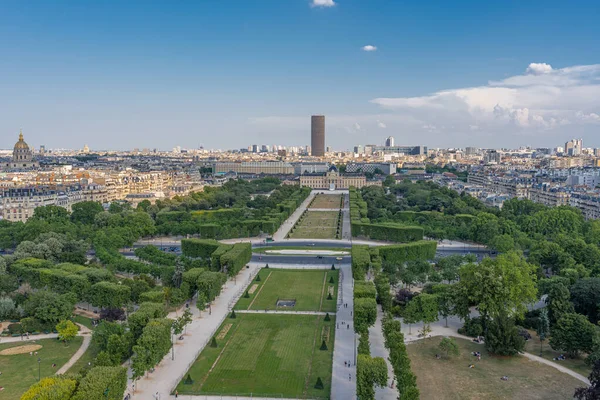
119,76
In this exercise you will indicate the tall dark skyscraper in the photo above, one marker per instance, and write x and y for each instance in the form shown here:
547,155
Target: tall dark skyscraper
317,135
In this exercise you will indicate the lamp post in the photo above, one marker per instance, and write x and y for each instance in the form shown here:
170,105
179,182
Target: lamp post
39,369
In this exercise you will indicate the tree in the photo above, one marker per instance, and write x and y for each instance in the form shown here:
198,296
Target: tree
425,309
591,392
48,307
585,294
543,328
67,330
573,333
559,302
7,308
502,336
85,212
504,284
410,314
370,372
152,345
449,346
52,388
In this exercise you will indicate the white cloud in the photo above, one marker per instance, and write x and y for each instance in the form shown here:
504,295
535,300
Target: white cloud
381,125
539,68
322,3
369,47
357,126
540,100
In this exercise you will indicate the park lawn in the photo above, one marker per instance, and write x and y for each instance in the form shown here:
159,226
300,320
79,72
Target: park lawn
20,371
576,364
326,201
88,357
317,225
85,321
453,379
308,287
266,355
244,302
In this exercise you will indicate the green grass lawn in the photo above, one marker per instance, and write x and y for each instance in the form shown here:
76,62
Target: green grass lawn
88,357
317,225
266,355
21,370
326,201
576,364
263,250
85,321
453,379
308,287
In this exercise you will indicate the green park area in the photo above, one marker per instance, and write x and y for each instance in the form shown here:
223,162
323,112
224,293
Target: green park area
265,356
332,201
576,363
451,377
309,288
20,369
316,225
298,249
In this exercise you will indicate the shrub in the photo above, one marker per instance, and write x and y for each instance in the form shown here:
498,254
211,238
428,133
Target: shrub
329,296
213,343
319,384
323,346
257,278
188,380
327,317
246,295
232,314
15,328
331,280
472,327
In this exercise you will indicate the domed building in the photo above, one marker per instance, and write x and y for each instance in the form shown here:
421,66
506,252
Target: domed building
22,156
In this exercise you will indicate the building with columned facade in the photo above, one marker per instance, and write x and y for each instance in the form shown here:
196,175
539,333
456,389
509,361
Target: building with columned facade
22,158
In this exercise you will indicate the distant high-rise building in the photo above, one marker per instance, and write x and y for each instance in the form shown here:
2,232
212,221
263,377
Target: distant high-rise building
389,142
42,149
359,149
317,135
492,156
574,147
255,148
369,149
469,151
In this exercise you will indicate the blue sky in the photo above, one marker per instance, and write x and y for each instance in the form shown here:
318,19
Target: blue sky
226,74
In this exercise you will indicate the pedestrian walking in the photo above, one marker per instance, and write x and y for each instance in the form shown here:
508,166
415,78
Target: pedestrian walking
345,364
348,326
176,394
349,377
338,326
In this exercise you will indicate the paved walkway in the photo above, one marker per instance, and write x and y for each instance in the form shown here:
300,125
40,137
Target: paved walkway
204,325
87,338
344,378
289,223
282,312
378,349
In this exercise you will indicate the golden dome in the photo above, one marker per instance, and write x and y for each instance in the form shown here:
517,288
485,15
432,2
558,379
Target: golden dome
21,143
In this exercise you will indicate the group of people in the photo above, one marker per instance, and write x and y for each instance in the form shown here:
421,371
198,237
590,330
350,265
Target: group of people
478,339
560,358
477,354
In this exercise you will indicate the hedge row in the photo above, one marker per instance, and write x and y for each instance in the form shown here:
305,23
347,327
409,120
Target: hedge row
236,258
364,289
400,253
199,248
365,314
360,261
388,232
384,297
102,383
216,256
394,342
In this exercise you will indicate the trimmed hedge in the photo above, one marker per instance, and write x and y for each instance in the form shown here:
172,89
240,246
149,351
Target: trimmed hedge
365,314
400,253
388,232
364,290
203,248
236,258
360,261
98,379
216,256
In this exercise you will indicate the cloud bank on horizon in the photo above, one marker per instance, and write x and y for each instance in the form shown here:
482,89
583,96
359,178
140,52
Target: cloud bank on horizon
540,99
544,106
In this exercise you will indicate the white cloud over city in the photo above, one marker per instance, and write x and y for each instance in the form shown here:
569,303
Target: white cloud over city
543,106
369,48
322,3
